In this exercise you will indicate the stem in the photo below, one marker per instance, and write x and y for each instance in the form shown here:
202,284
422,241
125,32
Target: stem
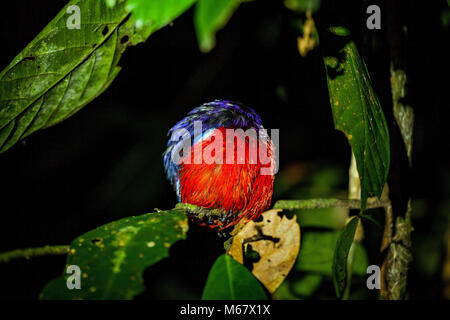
33,252
372,203
200,211
354,192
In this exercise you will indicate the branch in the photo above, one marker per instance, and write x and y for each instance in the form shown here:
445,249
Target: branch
395,267
372,203
33,252
200,211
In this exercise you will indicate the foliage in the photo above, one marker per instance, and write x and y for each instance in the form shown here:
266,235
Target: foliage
340,260
230,280
113,257
317,254
274,241
358,114
62,70
321,229
210,16
156,14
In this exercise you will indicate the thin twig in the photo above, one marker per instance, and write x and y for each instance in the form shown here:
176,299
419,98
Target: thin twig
33,252
372,203
200,211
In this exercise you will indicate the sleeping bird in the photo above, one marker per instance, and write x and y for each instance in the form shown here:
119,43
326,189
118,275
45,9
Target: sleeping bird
220,157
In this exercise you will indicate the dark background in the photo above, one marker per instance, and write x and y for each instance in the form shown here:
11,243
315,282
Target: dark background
105,162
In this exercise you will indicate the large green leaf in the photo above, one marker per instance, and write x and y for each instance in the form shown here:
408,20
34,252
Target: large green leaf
316,255
358,113
230,280
341,254
63,69
210,16
113,257
156,13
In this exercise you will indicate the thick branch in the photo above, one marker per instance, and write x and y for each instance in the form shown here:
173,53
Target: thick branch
395,266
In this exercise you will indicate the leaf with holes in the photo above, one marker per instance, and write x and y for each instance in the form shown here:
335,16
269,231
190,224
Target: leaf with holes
63,68
230,280
341,253
357,112
274,240
209,17
113,257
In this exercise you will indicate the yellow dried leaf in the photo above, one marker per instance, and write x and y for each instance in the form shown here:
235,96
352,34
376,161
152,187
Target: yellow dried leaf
276,239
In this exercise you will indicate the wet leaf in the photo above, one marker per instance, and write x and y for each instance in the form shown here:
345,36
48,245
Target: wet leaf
63,69
113,257
230,280
210,16
357,112
341,253
276,241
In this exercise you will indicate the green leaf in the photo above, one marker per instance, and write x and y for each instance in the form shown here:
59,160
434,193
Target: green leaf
299,287
306,285
113,257
360,261
341,253
332,218
303,5
156,14
209,17
111,3
358,113
230,280
63,69
317,252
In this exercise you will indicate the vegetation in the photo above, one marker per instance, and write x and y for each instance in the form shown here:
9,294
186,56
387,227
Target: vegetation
65,68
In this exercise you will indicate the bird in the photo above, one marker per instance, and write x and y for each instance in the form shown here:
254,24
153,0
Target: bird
220,157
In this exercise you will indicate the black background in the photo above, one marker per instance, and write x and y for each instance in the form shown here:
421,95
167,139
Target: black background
105,162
